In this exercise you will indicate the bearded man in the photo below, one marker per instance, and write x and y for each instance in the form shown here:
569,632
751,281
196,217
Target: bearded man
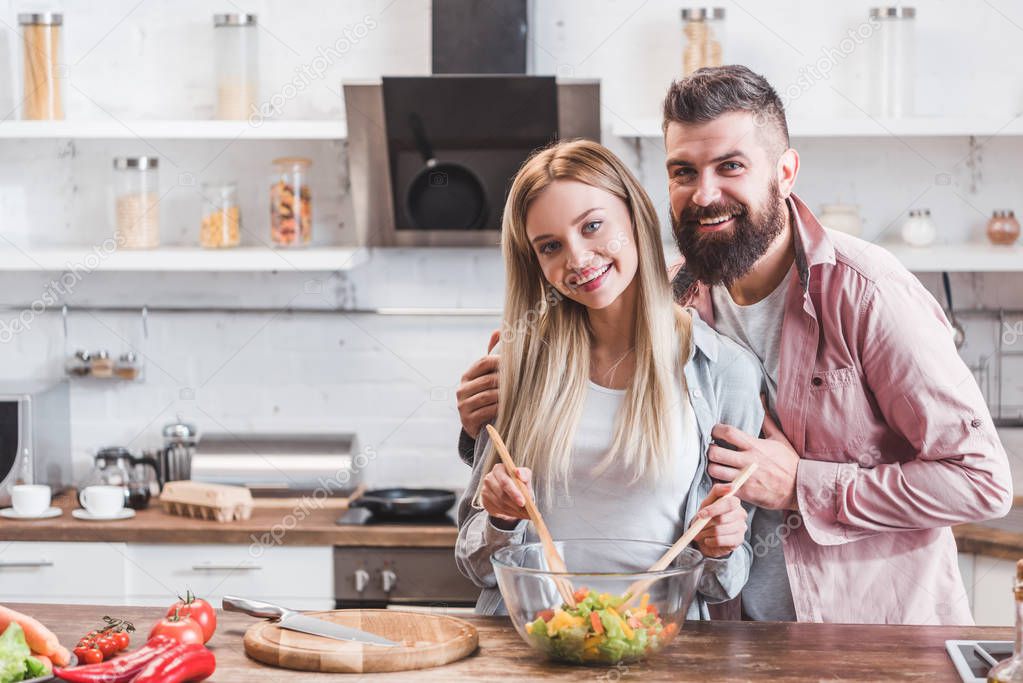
880,438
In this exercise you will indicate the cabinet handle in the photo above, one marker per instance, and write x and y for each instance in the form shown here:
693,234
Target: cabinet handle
20,565
223,568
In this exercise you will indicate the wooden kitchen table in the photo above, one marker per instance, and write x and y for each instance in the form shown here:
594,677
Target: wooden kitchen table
703,651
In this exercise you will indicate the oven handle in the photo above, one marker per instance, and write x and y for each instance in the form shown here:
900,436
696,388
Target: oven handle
25,564
223,568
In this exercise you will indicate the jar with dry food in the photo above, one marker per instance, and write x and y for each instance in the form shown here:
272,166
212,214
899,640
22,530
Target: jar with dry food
43,68
221,218
236,59
291,203
127,366
1003,228
137,202
892,57
703,30
101,365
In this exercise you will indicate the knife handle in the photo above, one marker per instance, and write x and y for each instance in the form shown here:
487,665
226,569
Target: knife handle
253,608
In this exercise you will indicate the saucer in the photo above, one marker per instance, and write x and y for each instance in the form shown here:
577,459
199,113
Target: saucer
49,512
82,513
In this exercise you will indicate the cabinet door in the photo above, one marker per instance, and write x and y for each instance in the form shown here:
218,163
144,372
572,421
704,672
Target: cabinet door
992,591
298,577
89,573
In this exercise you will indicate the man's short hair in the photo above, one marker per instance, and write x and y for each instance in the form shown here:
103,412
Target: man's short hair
710,92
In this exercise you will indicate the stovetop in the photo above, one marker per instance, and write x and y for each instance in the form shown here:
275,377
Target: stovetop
363,517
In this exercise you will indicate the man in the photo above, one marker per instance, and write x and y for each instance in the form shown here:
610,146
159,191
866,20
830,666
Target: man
882,438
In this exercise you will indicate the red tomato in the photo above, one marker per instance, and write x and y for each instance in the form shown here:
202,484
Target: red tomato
107,644
122,639
179,628
91,656
199,610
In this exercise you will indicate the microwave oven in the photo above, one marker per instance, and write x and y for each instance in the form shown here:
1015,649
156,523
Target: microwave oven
35,436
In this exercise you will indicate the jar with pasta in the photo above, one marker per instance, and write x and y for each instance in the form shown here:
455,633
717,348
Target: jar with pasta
221,219
703,30
291,202
43,69
137,202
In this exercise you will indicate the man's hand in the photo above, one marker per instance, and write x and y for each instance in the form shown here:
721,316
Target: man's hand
477,392
726,529
773,485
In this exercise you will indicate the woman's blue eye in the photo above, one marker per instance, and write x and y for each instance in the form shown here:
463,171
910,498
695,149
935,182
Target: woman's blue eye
549,247
591,224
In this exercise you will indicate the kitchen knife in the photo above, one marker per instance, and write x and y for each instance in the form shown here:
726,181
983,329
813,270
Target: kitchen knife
296,621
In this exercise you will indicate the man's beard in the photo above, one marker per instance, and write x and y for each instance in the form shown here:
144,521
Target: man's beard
721,258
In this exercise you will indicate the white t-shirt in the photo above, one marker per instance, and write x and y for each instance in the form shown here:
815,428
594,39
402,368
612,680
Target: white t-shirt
606,506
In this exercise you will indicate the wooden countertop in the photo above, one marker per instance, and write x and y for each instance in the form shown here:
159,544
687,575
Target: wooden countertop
1002,538
721,650
310,525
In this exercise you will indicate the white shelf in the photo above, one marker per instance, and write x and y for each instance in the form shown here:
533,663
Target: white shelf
174,130
959,258
183,259
862,127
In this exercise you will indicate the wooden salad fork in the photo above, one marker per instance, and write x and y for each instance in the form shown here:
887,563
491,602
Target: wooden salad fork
640,586
554,561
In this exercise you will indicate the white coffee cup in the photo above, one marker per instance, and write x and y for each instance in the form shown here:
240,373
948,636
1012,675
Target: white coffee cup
102,501
30,500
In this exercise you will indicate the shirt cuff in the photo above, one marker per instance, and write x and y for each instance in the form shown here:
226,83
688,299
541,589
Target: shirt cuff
817,492
495,535
466,447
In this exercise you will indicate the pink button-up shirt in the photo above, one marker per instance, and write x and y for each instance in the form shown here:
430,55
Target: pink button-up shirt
895,440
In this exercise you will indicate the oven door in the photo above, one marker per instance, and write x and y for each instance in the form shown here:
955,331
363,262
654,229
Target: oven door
12,435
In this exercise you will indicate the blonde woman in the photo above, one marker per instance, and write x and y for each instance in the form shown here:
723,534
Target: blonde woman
608,390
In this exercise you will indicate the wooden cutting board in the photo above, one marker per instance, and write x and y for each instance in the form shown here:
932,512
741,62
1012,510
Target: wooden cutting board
427,640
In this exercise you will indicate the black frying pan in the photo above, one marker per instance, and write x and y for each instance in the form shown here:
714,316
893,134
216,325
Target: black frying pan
444,194
404,503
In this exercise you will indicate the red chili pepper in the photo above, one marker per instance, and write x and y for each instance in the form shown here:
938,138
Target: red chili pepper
184,662
118,670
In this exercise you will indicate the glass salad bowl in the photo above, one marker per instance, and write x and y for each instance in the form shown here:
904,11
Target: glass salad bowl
607,625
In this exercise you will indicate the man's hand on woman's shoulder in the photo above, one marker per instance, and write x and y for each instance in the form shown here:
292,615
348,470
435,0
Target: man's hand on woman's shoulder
477,392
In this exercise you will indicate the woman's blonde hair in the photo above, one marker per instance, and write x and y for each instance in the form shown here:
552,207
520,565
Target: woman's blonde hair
546,338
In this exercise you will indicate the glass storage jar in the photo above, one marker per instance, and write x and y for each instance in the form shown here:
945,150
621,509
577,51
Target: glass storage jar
291,203
703,32
919,230
43,68
893,59
236,59
1003,228
221,217
137,202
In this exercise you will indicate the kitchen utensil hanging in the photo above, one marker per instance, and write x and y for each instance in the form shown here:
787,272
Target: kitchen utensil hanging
127,365
444,194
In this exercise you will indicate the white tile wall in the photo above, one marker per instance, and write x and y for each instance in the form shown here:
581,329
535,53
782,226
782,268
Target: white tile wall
391,378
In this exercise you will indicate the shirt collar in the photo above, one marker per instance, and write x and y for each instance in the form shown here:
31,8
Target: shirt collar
705,340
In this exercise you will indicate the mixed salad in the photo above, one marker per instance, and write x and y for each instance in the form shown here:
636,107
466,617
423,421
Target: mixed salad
598,631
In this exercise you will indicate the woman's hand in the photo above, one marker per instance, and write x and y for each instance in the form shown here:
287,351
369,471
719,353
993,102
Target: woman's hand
502,497
726,529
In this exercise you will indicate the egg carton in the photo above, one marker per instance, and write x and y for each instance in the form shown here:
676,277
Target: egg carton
199,500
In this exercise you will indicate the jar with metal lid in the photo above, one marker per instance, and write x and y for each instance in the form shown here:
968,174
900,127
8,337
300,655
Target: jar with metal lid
1003,228
127,366
919,230
80,364
137,202
44,69
237,63
893,59
703,29
291,203
221,217
101,365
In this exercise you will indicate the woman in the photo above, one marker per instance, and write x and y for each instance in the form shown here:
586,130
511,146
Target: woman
608,390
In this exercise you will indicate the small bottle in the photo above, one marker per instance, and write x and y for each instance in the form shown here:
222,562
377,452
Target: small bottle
127,366
101,365
919,230
1003,228
1011,670
79,364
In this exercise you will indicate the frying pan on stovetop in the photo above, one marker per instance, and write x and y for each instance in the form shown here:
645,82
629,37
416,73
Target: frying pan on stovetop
443,195
401,503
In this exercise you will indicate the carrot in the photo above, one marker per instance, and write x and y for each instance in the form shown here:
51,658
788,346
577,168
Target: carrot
598,627
61,657
39,638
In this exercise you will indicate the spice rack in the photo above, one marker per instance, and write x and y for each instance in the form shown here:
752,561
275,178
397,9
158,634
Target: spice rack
101,365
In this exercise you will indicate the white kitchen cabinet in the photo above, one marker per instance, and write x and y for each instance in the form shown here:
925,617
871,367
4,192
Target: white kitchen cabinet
63,572
993,578
298,577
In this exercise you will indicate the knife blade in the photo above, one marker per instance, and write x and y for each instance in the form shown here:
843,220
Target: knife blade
296,621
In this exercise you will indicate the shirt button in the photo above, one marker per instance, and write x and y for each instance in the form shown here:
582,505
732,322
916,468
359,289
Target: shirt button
696,393
817,381
976,423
